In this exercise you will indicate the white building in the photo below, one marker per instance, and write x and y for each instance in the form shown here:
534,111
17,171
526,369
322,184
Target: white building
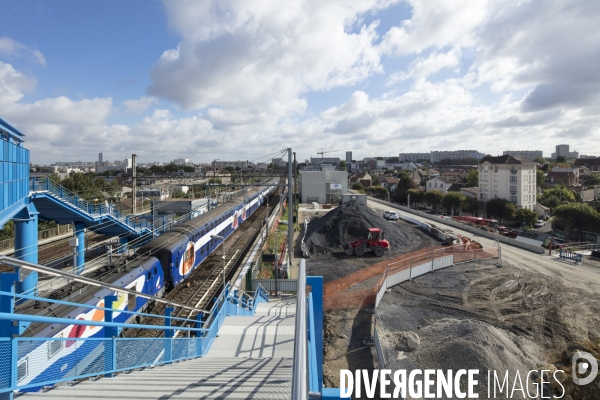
508,177
414,156
440,184
325,160
234,164
323,186
528,154
183,161
562,150
437,156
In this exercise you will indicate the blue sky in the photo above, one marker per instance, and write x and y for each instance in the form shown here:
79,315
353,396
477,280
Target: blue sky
234,79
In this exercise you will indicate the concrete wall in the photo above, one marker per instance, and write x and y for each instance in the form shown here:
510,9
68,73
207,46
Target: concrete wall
471,229
316,185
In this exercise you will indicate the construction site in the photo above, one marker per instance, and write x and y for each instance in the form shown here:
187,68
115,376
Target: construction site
487,309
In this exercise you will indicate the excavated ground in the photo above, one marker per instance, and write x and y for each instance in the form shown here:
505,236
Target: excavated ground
479,316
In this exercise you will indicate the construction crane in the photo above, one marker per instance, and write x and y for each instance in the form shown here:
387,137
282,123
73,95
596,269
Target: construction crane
324,152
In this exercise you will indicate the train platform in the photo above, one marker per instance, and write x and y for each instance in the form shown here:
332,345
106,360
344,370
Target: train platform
251,357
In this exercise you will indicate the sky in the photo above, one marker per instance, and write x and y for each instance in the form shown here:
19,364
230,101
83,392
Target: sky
238,79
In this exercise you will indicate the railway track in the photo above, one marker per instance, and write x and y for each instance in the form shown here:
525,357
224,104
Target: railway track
206,282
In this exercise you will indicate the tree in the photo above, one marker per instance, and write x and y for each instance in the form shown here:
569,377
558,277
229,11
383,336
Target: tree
83,185
343,165
404,185
526,217
453,200
540,160
472,178
593,179
359,186
215,181
556,196
577,216
501,209
229,168
561,159
540,177
380,192
433,197
416,196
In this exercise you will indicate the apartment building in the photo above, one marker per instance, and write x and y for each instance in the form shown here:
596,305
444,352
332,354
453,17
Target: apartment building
414,157
437,156
528,154
508,177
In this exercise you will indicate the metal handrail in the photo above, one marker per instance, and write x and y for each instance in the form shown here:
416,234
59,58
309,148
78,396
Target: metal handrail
300,366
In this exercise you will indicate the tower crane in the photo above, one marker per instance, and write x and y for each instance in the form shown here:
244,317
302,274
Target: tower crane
325,152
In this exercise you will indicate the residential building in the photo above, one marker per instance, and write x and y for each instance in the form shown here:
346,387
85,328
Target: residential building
389,182
442,185
99,157
527,154
152,194
322,167
508,177
470,192
181,161
323,186
128,163
592,163
234,164
278,162
562,150
454,176
563,176
414,157
437,156
363,178
324,160
348,157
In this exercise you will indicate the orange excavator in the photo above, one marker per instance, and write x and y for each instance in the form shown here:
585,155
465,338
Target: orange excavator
374,242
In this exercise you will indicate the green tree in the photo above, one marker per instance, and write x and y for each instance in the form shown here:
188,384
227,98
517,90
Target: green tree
416,196
540,177
404,185
472,178
556,196
561,159
433,197
343,165
358,186
215,181
230,169
501,209
577,216
526,217
540,160
83,185
453,200
380,192
593,179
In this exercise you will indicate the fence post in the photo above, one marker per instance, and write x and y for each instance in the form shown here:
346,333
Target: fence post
168,335
199,334
110,350
410,270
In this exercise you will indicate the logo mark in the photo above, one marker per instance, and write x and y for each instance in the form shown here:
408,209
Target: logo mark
584,363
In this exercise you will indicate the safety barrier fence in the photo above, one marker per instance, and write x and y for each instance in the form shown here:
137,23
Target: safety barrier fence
32,363
8,244
409,268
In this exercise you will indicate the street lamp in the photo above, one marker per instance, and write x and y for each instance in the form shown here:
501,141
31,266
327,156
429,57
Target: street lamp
222,256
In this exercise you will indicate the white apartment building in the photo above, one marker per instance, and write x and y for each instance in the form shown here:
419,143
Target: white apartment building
508,177
437,156
562,150
438,183
528,154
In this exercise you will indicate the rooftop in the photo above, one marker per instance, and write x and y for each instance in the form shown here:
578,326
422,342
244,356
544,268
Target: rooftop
506,159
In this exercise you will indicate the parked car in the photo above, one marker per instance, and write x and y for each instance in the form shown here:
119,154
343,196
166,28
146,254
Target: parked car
539,223
391,215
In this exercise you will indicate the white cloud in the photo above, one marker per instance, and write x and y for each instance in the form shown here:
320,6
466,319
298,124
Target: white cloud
140,105
11,47
12,84
239,54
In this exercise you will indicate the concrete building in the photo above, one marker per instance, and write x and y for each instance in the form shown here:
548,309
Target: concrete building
152,194
323,186
234,164
278,162
324,160
99,157
528,154
508,177
322,167
414,157
562,150
437,156
443,185
348,157
181,161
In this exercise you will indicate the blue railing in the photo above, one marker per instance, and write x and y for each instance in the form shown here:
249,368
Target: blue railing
30,363
45,184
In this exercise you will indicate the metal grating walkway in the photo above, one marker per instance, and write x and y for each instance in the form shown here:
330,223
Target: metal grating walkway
251,358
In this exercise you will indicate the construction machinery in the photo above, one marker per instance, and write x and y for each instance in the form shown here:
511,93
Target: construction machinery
374,242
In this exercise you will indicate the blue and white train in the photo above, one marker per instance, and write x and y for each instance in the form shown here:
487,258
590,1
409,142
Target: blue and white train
161,265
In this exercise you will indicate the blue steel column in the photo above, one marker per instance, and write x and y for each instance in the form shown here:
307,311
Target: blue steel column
316,284
7,305
80,235
110,351
26,244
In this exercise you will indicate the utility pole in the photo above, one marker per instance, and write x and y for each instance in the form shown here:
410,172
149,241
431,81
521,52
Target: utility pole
290,206
295,172
133,179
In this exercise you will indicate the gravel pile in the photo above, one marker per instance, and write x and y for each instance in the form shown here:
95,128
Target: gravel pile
350,221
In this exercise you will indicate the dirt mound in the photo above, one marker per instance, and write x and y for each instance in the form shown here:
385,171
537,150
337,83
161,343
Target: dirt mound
350,221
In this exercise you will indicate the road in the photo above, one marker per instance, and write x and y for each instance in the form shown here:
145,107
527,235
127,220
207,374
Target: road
522,258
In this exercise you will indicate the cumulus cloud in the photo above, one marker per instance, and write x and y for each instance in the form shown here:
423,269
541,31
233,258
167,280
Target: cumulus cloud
11,47
140,105
13,84
238,54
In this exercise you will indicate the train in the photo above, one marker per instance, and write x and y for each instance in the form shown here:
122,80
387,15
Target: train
160,265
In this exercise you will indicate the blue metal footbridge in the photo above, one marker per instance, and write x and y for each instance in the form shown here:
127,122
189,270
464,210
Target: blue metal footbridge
246,346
